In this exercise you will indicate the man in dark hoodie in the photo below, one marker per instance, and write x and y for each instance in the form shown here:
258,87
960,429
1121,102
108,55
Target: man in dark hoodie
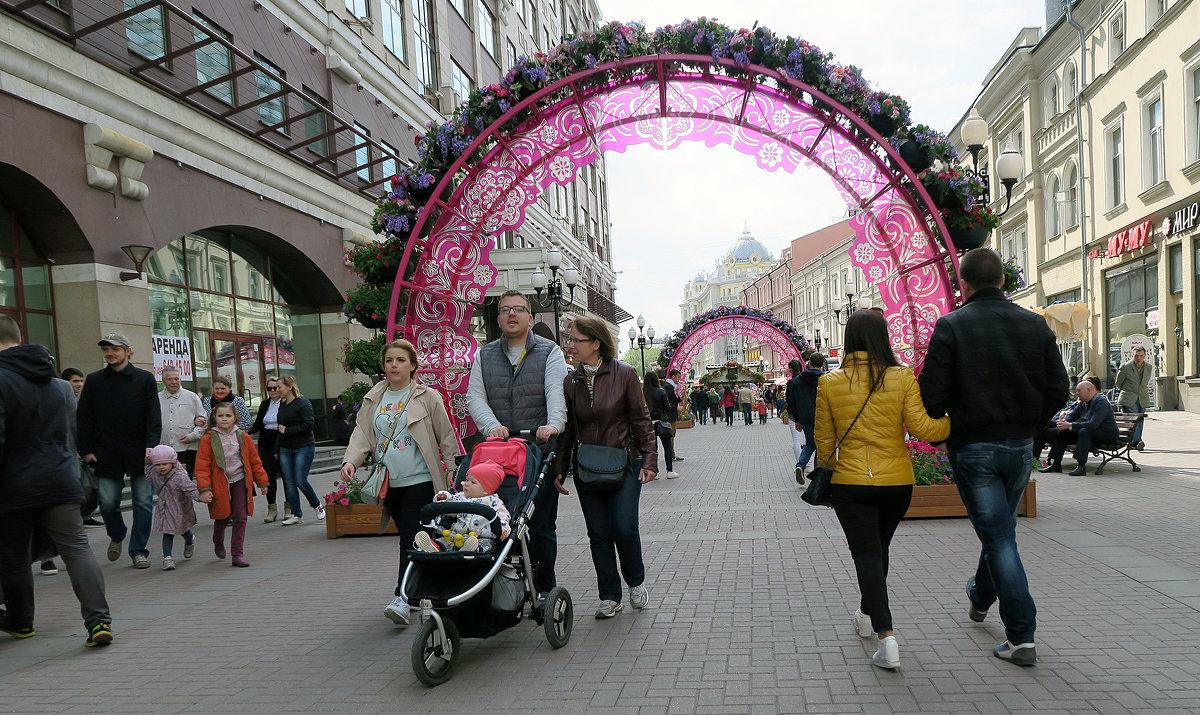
802,408
39,487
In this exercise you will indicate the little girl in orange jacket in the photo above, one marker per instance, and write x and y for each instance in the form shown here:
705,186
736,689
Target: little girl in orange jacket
226,458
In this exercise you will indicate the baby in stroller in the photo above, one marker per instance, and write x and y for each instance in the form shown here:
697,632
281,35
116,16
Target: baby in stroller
470,532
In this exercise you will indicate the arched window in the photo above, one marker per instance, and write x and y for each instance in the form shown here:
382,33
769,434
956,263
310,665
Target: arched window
25,293
1071,210
1054,210
1069,84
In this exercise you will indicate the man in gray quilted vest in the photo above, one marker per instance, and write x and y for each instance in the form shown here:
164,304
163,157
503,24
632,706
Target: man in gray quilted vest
517,384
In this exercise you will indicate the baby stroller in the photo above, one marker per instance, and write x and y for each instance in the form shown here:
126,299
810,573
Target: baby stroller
468,594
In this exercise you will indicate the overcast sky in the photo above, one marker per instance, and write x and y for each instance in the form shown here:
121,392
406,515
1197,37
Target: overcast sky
674,212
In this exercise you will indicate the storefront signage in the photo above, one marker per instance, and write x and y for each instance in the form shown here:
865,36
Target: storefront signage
1152,319
1185,218
172,351
1130,239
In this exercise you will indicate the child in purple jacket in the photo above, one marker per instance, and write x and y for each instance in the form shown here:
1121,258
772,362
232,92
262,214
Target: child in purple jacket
173,512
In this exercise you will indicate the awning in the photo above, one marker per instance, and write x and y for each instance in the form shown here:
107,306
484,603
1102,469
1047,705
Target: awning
1068,321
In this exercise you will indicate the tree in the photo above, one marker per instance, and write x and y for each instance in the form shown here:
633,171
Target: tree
633,356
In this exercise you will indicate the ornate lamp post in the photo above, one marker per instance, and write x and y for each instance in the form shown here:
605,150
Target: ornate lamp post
863,302
641,339
974,134
817,334
554,286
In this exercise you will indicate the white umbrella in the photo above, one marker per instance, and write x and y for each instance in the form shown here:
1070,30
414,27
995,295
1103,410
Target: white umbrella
1068,321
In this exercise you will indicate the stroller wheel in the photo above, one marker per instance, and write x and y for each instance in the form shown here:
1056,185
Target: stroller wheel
558,616
435,651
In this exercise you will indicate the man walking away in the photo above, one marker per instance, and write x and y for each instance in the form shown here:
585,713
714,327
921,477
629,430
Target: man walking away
802,408
119,422
517,383
39,487
995,368
746,400
1133,380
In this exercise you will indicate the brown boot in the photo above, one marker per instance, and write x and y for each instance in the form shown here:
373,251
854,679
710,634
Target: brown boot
272,513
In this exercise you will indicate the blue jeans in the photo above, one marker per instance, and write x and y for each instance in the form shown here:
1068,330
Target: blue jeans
168,542
1137,431
612,529
143,511
810,444
991,479
295,464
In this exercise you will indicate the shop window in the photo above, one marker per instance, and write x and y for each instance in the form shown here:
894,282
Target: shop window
213,60
1175,267
145,32
393,27
25,294
1130,292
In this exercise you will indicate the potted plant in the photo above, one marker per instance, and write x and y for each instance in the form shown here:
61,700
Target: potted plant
935,493
1014,277
362,356
920,145
345,512
886,113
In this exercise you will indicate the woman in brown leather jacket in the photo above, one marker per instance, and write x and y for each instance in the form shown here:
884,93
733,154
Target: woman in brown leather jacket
605,407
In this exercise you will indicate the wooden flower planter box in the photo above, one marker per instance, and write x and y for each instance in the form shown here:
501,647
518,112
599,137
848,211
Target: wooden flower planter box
684,424
355,519
943,500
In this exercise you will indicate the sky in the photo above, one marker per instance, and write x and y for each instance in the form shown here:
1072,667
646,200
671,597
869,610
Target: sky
675,212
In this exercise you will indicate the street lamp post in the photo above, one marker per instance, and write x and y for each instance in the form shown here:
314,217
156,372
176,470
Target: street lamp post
817,327
554,286
974,134
863,302
641,339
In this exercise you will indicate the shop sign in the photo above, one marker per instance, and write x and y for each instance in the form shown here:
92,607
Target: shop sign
1152,319
172,351
833,352
1130,239
1185,218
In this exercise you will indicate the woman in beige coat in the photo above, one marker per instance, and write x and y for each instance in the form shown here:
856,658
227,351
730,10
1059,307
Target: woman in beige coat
405,426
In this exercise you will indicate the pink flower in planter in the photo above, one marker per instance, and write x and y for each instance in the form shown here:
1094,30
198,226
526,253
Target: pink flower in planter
345,501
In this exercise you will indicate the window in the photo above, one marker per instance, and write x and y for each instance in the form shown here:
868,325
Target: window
1116,33
511,57
532,18
1013,246
1195,140
464,9
359,8
426,46
1154,10
1113,147
145,32
488,37
25,289
389,166
316,125
213,60
272,111
1054,220
393,27
459,82
1072,196
1069,81
362,154
1153,170
1175,267
1051,99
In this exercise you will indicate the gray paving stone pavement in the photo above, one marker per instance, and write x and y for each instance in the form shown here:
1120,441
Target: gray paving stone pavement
751,595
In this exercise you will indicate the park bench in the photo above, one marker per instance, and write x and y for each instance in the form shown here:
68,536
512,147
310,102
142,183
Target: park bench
1127,423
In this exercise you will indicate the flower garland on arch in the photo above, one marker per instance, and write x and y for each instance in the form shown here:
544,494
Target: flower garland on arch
723,311
443,144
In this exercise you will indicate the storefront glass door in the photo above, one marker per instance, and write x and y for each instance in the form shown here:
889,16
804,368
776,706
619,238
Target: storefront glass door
241,359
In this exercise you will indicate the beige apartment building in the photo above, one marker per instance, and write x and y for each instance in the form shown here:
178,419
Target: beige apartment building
1104,106
244,144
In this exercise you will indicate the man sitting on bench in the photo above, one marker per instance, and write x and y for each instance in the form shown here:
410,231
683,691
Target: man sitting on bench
1091,422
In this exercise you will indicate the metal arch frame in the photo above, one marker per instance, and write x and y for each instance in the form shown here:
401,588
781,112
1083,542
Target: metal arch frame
663,69
744,325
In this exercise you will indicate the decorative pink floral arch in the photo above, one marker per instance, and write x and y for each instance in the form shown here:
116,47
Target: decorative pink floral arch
658,99
706,334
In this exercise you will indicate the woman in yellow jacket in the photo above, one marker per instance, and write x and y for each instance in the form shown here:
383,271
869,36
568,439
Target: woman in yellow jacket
872,473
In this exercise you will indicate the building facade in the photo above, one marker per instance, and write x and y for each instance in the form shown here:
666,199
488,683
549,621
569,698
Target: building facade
745,260
1107,209
244,144
771,291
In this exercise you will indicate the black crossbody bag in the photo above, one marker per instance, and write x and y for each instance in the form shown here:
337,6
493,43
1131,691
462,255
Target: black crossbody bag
597,468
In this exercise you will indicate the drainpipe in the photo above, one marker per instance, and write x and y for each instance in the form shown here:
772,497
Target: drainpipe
1079,85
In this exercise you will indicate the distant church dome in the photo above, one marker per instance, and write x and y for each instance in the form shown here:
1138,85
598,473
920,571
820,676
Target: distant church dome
748,250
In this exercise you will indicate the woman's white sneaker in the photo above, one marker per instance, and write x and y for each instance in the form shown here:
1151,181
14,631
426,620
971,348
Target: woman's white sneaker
672,475
292,520
320,512
888,655
862,624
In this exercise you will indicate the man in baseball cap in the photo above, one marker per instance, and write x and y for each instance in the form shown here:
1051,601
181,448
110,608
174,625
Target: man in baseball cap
119,421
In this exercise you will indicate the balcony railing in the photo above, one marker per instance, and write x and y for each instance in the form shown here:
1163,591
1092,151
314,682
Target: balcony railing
601,305
334,151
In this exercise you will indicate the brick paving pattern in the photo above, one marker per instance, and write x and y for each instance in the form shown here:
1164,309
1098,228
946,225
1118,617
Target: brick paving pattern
751,593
